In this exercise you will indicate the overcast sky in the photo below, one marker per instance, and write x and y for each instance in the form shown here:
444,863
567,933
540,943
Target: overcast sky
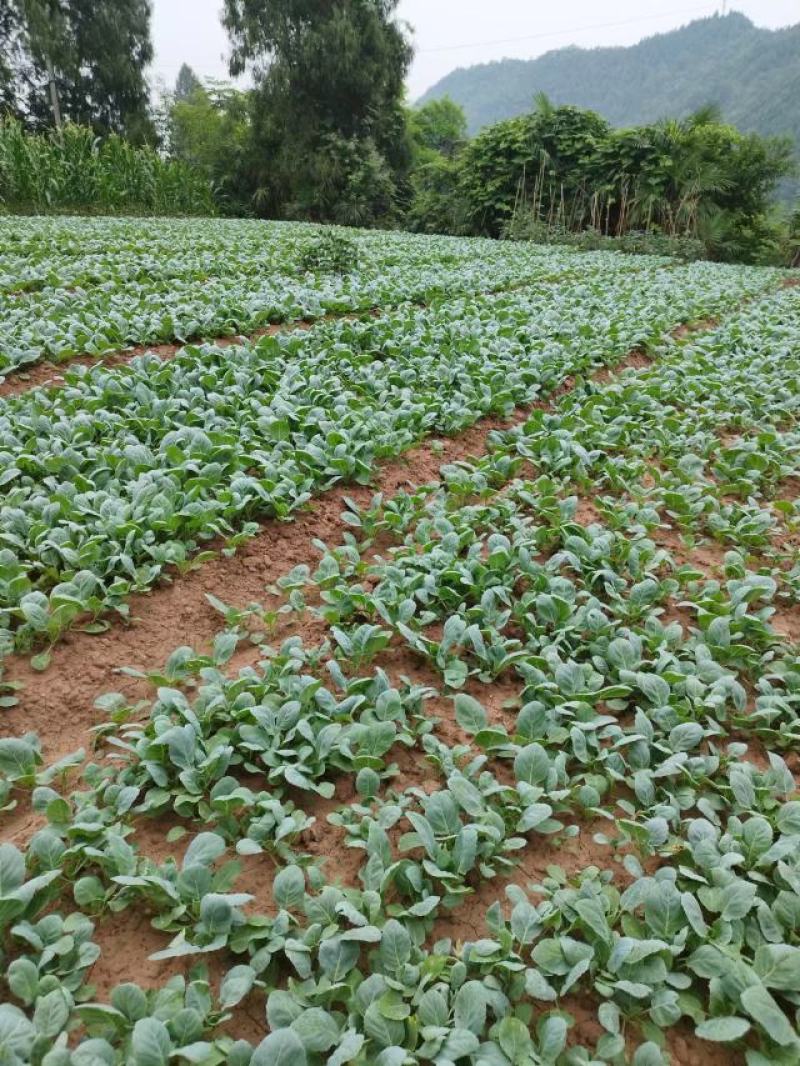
455,33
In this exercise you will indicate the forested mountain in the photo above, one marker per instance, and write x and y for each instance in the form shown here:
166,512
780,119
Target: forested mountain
752,74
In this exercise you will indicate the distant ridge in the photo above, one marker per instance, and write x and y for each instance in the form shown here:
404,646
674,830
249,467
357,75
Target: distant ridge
752,74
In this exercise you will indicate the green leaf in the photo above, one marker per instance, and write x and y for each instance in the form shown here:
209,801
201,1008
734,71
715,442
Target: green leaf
395,949
737,898
289,888
12,869
458,1044
514,1038
778,966
17,758
470,1007
130,1000
41,661
282,1009
789,818
537,987
337,957
150,1043
203,850
23,980
552,1036
525,924
686,736
470,715
384,1031
532,764
349,1047
316,1029
723,1030
16,1032
763,1009
51,1013
236,984
282,1048
649,1054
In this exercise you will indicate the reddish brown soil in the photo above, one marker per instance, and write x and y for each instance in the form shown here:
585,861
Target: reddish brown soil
695,327
686,1049
127,940
637,360
786,623
587,512
788,489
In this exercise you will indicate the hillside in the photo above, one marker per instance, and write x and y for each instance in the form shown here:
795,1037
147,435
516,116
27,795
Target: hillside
752,74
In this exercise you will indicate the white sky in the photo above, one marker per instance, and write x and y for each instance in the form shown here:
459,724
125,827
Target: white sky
458,33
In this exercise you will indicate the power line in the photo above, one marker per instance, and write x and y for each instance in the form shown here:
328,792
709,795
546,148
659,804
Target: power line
574,29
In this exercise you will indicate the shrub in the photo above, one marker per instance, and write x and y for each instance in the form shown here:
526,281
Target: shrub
330,253
637,242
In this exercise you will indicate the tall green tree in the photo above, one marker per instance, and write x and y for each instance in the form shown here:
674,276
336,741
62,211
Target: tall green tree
438,133
209,129
329,128
439,126
13,60
83,61
187,82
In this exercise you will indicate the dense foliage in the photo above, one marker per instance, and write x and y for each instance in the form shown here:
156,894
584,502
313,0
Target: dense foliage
324,136
328,129
506,776
568,170
90,54
209,128
75,171
751,73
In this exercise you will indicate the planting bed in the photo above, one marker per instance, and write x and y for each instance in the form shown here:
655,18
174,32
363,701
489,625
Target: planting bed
419,687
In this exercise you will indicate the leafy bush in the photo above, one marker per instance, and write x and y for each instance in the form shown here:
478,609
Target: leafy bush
637,242
436,205
567,169
330,253
792,248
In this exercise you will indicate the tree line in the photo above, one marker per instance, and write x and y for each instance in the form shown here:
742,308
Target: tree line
325,133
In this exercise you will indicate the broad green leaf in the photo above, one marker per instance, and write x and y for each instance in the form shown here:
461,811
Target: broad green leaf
288,888
470,715
151,1043
763,1009
723,1029
316,1029
236,984
395,949
282,1048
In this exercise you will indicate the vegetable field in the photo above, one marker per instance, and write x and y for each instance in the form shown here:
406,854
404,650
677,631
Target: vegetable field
399,665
